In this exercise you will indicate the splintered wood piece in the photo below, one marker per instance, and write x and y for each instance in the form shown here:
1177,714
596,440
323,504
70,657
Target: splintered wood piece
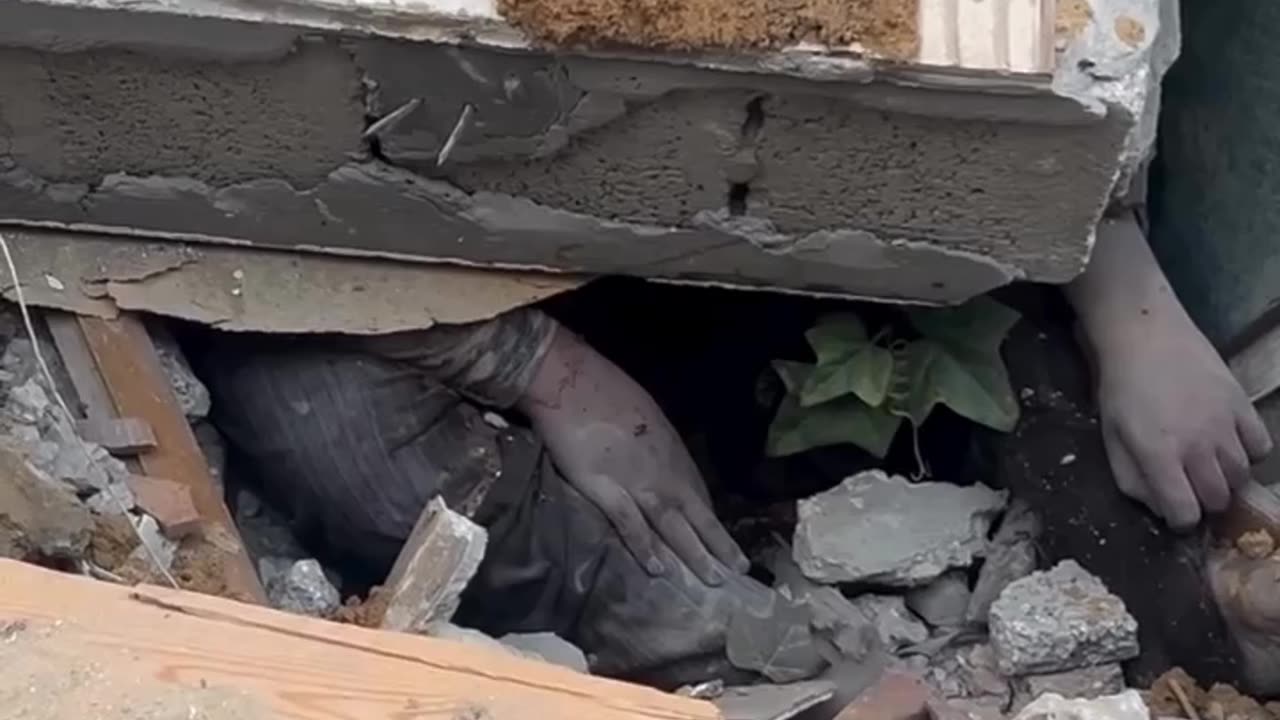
168,502
440,557
138,387
291,666
120,436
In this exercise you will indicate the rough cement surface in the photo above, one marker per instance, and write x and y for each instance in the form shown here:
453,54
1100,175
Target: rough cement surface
1127,705
943,602
875,528
1087,683
885,26
1060,619
303,589
579,164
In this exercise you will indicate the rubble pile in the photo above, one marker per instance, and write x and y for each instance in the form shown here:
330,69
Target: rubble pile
960,608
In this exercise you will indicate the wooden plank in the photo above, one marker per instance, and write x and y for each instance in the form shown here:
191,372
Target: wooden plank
95,401
309,669
131,372
120,436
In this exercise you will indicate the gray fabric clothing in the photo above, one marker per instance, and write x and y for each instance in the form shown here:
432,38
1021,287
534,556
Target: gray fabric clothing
361,443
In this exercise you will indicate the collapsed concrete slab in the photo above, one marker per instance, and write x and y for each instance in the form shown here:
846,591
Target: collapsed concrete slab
434,130
1058,620
874,528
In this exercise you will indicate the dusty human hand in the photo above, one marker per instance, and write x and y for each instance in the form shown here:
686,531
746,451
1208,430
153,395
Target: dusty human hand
1179,431
615,445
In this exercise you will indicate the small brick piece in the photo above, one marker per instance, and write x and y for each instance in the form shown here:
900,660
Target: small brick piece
120,436
897,695
168,502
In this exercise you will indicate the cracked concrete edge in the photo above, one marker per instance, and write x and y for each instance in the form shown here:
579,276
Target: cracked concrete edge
266,27
249,289
1116,65
373,209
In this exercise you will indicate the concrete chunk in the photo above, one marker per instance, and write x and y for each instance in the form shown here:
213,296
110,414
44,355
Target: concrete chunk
38,517
304,589
1127,705
943,602
1086,683
895,623
1010,556
1060,619
440,557
879,529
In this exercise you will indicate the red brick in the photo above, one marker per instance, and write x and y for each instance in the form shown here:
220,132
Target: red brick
897,695
168,502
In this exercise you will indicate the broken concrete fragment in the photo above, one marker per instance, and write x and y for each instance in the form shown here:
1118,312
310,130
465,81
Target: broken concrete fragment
154,546
875,528
549,647
168,502
1011,555
772,702
970,672
943,602
896,624
193,396
27,403
38,517
440,557
1060,619
1127,705
1086,683
304,589
775,641
834,616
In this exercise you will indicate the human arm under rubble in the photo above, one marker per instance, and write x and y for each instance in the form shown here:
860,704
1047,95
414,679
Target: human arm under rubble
605,433
1179,431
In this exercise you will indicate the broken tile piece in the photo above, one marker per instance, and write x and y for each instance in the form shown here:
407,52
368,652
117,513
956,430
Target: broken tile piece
891,618
943,602
1060,619
304,589
1087,683
772,702
168,502
1127,705
885,530
38,517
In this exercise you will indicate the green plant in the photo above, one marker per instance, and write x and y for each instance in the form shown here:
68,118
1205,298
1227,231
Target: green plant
861,388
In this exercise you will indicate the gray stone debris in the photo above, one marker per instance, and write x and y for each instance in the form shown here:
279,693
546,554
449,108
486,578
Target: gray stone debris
155,546
772,702
1086,683
304,589
970,672
834,616
885,530
1011,556
38,517
943,602
193,396
1127,705
549,647
891,618
1060,619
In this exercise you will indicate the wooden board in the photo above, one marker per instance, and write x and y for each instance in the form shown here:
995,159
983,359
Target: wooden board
307,669
138,387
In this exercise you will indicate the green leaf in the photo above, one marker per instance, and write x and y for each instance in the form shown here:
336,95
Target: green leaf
843,420
793,374
980,324
848,363
972,382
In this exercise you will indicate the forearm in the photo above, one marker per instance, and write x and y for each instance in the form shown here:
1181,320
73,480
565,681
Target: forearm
1123,294
491,361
